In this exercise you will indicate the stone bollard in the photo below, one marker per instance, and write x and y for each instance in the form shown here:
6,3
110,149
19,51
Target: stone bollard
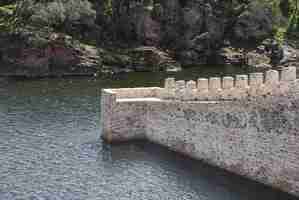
272,77
190,90
227,87
241,81
288,74
214,88
256,81
241,87
202,88
169,88
169,83
180,87
271,82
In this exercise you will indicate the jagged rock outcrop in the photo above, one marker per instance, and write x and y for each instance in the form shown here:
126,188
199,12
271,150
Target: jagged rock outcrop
268,54
56,57
153,59
196,30
254,23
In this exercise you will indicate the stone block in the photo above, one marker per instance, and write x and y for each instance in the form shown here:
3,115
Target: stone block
272,77
241,81
256,79
288,74
169,83
190,91
227,82
180,87
202,84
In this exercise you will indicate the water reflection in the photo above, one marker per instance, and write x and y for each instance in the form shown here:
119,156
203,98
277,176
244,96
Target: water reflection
50,148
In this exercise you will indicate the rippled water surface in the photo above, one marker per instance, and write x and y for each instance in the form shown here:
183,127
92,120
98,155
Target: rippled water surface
50,149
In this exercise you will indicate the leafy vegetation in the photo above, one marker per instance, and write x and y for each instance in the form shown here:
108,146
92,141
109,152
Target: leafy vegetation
294,16
6,17
75,17
69,16
287,15
108,10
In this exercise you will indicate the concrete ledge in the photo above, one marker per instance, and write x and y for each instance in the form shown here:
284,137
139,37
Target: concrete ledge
138,100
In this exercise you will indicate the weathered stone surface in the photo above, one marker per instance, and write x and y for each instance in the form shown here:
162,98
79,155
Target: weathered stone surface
255,136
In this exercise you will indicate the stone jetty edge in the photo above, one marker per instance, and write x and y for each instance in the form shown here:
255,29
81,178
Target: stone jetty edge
247,124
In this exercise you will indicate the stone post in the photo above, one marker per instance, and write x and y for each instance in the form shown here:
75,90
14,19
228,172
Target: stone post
190,90
272,77
227,87
180,87
288,74
108,101
214,88
256,79
169,88
202,88
241,81
241,87
271,82
256,87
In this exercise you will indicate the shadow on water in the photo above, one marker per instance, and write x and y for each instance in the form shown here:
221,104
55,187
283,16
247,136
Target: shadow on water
50,148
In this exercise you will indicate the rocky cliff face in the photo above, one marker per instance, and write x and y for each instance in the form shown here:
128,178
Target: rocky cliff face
57,56
189,32
195,29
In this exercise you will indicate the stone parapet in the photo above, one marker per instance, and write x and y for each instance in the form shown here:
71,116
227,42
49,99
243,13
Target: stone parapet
271,82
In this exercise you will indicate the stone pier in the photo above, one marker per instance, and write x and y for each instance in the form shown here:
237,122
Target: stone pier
247,124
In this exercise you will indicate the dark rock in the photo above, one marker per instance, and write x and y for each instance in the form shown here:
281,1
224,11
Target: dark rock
289,55
153,59
285,7
56,57
230,55
191,57
254,24
114,58
195,32
256,59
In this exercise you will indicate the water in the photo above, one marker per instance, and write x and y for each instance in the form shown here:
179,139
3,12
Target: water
50,149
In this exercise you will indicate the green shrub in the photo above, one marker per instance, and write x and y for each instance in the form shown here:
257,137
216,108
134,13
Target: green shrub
50,14
294,16
108,10
6,17
56,14
280,34
79,11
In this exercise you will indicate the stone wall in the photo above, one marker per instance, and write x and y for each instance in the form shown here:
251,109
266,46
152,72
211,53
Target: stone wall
255,134
124,112
253,139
